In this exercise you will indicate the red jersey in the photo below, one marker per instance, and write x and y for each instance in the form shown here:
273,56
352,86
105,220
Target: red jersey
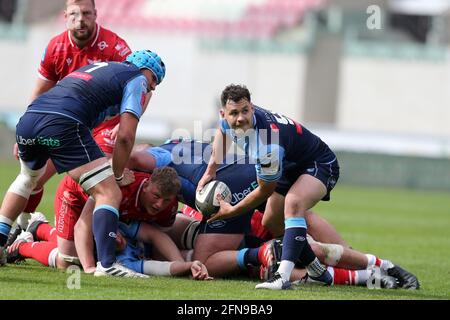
102,134
130,209
62,56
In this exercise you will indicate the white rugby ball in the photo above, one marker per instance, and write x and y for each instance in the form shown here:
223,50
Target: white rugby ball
207,200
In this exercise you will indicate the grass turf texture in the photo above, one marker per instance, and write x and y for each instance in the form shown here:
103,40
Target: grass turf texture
410,228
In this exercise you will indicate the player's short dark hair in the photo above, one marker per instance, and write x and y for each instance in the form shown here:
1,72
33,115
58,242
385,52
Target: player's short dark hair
93,2
234,93
167,181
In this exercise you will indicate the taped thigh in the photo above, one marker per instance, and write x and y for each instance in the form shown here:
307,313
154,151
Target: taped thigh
190,235
95,176
26,181
333,253
70,259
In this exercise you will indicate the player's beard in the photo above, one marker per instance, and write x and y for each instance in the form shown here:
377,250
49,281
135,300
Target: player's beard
83,35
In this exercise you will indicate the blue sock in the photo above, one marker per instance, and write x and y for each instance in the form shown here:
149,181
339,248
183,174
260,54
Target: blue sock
252,257
307,256
294,239
104,226
4,232
241,258
248,256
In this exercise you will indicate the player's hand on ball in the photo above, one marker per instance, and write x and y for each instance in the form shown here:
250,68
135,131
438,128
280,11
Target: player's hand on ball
204,180
226,211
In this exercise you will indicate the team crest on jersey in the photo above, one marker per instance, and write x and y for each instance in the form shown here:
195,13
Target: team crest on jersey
69,61
102,45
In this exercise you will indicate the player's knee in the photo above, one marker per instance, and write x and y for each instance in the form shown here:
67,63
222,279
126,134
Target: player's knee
294,203
333,253
26,181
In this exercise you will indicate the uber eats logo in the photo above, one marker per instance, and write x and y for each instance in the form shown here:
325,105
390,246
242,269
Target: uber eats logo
49,142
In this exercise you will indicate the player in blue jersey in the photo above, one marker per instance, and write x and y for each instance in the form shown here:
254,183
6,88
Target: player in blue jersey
57,126
220,237
188,159
295,170
220,244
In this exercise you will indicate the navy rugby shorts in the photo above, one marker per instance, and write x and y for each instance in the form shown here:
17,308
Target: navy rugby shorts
326,169
42,136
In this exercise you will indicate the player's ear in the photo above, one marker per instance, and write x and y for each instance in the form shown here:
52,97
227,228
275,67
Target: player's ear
222,113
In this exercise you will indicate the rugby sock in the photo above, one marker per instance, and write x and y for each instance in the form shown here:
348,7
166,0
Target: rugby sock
246,257
294,241
45,232
349,277
104,225
34,200
39,251
240,258
373,261
5,227
251,257
315,268
307,256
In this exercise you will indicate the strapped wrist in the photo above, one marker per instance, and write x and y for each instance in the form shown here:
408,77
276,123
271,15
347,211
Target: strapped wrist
118,179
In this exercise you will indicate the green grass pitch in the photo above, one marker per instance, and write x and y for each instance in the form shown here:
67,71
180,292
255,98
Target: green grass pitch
410,228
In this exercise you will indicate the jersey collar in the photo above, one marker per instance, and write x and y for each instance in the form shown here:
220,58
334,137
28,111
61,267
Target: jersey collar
138,193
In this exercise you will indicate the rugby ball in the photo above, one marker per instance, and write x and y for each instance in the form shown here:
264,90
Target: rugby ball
207,200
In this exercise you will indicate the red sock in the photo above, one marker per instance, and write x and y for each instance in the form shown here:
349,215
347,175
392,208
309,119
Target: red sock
45,232
377,262
39,251
344,277
33,201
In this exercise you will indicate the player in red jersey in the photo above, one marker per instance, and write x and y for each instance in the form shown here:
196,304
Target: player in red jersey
149,199
83,42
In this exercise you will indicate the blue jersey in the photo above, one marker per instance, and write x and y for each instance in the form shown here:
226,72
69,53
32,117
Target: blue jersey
94,92
277,141
190,160
131,257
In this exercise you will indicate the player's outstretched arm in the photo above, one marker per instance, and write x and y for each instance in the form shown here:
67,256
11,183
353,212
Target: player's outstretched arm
141,159
162,243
